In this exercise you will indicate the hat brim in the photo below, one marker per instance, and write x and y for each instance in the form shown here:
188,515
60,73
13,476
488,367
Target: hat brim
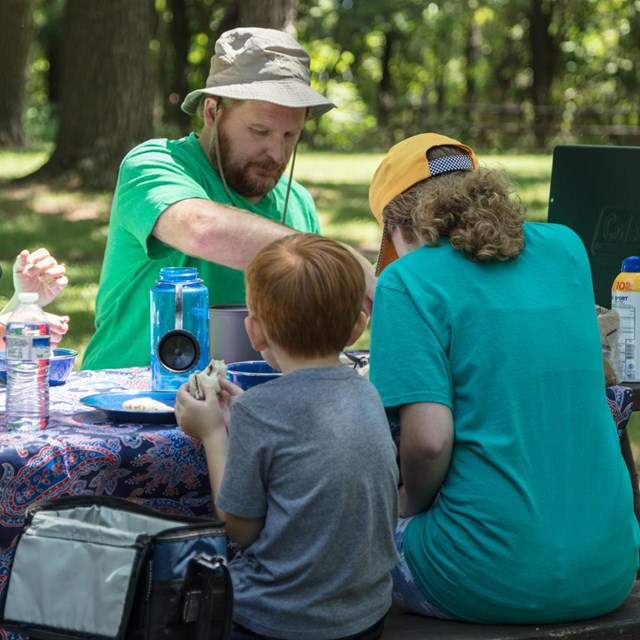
286,93
387,253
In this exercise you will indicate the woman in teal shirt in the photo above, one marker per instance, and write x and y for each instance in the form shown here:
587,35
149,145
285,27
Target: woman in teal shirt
516,502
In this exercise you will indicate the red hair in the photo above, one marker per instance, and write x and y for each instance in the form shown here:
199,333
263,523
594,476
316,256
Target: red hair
307,293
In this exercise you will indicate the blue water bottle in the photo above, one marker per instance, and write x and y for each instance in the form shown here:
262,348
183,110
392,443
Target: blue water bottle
179,327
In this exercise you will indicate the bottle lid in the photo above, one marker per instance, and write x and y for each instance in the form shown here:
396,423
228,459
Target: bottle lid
631,264
28,297
178,275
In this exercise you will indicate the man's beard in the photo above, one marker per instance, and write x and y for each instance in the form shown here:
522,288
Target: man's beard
238,176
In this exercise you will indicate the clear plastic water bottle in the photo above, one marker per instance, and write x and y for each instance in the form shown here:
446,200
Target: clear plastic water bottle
28,354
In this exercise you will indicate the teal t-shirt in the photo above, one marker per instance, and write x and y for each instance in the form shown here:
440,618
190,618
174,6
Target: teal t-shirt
534,522
153,176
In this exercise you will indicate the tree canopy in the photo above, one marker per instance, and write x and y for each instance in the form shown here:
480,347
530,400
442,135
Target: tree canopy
500,74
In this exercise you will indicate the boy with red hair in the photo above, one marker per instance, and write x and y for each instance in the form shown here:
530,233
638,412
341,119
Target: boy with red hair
306,479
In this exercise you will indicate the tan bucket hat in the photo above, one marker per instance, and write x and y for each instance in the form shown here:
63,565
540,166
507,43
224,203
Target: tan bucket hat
260,64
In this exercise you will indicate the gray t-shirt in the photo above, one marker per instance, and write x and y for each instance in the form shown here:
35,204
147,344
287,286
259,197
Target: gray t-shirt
312,453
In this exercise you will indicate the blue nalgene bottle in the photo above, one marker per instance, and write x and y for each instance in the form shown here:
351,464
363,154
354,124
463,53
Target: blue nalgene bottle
179,327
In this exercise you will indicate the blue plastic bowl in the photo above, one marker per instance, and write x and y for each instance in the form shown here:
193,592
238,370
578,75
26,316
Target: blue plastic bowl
60,366
250,373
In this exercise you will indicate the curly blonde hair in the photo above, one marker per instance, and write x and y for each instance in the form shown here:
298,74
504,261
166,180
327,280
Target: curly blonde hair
476,210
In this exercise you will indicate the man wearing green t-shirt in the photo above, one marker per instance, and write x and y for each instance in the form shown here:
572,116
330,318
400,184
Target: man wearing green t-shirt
210,201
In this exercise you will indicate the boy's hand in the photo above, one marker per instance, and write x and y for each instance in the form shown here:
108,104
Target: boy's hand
199,418
227,397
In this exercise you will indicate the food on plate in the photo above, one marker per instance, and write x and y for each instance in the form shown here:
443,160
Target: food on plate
145,404
211,373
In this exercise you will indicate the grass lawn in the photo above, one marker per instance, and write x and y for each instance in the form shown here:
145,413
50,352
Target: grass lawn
73,225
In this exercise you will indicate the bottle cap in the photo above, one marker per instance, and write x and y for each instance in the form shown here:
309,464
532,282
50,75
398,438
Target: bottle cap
178,275
631,264
28,297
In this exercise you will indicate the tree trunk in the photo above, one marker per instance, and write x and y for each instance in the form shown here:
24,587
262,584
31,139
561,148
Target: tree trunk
106,90
386,97
471,89
273,14
542,64
49,37
179,87
16,37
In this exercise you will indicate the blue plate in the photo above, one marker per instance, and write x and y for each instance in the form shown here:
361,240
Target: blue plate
111,404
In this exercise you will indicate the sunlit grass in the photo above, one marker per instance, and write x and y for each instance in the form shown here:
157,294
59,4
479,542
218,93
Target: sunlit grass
14,164
73,225
328,175
336,168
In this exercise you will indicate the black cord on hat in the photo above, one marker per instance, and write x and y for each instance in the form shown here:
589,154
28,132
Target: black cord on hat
286,199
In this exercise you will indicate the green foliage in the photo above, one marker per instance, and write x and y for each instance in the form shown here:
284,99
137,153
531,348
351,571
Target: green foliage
40,115
350,125
466,68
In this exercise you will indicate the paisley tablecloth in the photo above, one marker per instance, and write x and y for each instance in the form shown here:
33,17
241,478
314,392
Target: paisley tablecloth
82,453
620,401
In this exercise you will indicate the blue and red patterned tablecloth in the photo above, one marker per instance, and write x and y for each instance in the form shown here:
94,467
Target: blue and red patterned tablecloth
620,401
82,453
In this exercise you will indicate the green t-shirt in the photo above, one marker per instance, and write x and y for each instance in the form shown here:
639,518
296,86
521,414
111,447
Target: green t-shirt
534,522
153,176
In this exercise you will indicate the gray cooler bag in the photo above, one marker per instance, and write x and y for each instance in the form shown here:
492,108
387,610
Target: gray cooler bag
109,569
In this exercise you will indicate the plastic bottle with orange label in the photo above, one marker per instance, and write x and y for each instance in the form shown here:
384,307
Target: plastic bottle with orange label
625,299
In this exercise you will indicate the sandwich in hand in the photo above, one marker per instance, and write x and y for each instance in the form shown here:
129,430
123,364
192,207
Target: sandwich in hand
211,373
